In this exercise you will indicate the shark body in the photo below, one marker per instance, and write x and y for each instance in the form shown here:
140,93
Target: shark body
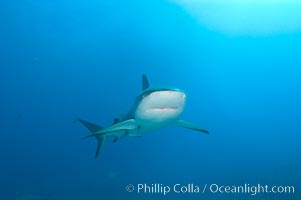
153,109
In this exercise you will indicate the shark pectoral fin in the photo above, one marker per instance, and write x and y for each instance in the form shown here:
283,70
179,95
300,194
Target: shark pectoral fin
189,125
122,126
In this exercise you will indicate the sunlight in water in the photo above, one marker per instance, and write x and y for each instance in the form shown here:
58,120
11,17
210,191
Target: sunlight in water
246,17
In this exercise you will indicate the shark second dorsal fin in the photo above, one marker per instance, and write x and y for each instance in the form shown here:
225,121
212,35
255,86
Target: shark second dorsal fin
116,120
145,83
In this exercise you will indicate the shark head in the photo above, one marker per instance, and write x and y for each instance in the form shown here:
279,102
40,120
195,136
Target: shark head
160,105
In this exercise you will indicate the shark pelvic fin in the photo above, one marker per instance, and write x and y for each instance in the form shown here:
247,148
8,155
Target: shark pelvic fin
117,138
189,125
145,83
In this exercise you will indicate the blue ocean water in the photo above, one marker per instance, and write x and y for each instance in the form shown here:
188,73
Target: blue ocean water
61,60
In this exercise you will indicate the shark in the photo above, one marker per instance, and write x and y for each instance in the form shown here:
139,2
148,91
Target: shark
153,109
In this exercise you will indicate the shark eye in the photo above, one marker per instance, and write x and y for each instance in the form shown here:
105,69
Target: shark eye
146,95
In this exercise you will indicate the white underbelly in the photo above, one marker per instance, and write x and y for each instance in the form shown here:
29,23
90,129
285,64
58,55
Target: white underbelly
148,125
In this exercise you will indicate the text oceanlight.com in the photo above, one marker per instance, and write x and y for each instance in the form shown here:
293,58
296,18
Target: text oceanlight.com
163,189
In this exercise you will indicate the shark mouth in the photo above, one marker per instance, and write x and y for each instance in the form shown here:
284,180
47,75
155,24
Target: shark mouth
163,108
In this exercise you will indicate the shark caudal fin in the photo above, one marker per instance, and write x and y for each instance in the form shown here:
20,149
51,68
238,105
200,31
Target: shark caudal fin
145,83
101,139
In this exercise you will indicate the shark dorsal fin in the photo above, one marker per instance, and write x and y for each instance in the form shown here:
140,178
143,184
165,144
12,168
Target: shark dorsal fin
145,83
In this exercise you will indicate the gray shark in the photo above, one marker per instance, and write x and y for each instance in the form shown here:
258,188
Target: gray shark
154,108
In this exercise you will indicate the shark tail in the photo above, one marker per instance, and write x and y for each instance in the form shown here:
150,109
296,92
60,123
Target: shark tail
101,139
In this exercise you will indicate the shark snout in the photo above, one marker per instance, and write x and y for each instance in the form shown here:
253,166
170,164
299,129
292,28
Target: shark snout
166,100
161,105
